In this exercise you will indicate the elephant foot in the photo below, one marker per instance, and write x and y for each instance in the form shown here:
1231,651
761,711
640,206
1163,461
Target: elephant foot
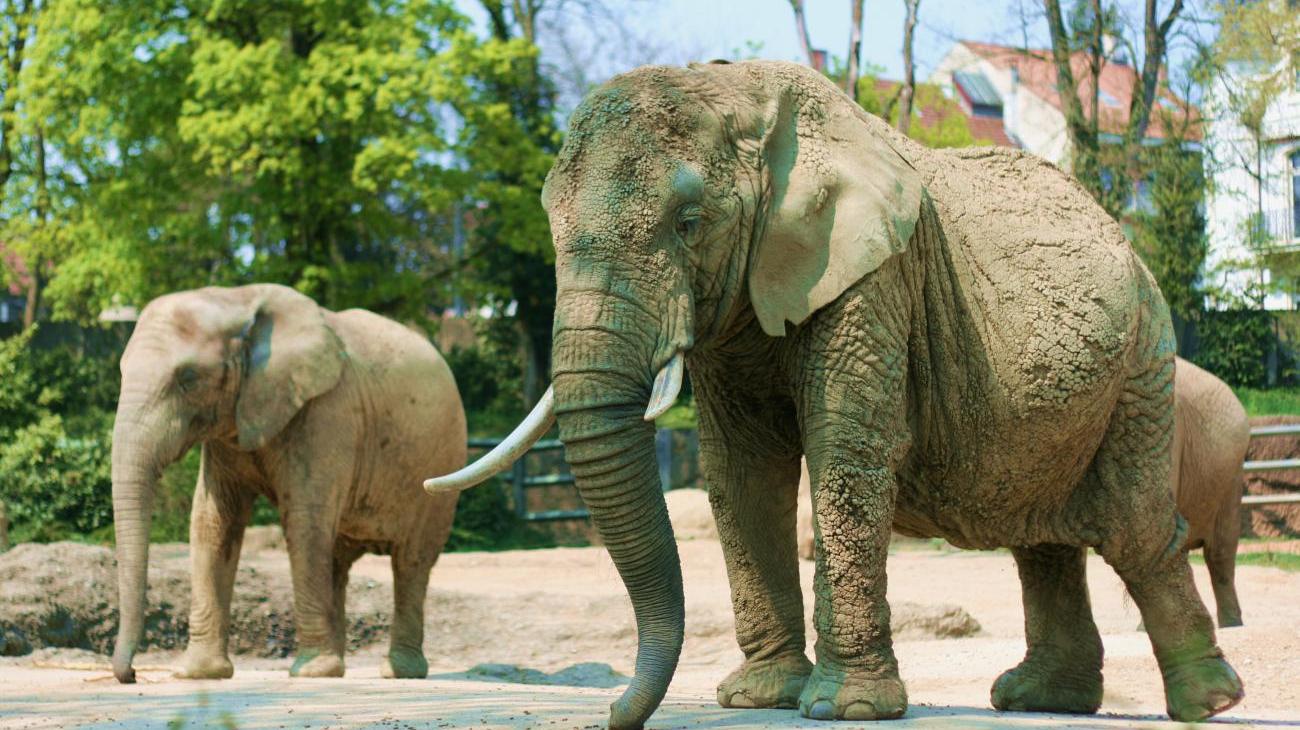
1042,686
1229,620
839,694
1199,689
315,664
204,665
766,683
404,664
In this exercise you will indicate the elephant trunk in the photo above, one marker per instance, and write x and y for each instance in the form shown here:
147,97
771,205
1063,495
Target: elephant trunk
136,470
610,448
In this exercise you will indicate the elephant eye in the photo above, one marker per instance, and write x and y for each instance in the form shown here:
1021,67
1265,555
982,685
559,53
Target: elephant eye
187,378
688,221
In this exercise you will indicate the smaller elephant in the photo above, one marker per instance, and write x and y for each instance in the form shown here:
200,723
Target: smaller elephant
1211,437
336,417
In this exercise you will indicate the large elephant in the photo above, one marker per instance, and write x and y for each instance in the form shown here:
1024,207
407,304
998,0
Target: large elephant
1211,437
335,417
962,343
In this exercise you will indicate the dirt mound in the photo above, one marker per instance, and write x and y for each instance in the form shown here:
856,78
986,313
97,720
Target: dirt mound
64,595
689,511
586,674
1279,520
941,621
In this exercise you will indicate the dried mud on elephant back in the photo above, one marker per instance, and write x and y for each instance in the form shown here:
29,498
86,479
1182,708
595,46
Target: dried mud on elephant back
1278,520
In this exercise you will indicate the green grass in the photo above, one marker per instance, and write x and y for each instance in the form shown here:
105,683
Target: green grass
1289,562
1272,402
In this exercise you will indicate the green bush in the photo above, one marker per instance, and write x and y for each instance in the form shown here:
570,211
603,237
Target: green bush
1235,345
56,426
488,376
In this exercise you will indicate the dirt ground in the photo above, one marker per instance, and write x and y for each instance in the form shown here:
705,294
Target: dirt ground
543,623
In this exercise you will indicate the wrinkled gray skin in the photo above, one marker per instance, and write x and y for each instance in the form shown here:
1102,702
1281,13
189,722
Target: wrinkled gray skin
335,417
962,343
1212,435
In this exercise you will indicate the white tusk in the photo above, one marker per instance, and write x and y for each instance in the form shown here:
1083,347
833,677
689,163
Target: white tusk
668,384
514,446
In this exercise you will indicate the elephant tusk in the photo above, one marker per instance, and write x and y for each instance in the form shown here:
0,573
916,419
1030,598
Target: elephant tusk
668,384
514,446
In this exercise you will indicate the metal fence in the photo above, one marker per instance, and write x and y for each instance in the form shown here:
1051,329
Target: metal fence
521,480
1273,465
521,477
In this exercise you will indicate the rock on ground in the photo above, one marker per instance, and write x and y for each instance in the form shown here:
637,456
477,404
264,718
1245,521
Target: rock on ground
690,514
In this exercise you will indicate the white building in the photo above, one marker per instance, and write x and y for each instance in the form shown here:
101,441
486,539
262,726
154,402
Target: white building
1020,84
1255,191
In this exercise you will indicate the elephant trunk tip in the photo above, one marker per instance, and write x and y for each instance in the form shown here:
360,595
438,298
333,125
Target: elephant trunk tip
123,670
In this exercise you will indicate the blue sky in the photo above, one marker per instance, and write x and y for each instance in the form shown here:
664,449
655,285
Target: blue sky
716,28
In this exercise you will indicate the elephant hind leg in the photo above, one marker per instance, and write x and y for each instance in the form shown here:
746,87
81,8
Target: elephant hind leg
1221,559
1061,671
406,658
344,556
1143,539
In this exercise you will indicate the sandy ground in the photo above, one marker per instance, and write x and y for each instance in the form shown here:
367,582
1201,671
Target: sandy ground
551,609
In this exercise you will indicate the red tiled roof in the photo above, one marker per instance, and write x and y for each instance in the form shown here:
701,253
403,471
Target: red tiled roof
1038,74
983,129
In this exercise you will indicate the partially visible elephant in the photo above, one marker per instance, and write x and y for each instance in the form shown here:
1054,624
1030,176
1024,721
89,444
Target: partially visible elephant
1211,437
333,416
961,342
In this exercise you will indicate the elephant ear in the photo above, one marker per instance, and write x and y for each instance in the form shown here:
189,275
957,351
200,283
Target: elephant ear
290,356
841,201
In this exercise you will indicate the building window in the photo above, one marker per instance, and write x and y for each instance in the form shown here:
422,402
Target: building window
1295,193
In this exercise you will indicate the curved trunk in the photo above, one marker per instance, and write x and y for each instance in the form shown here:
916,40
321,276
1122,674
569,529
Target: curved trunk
611,451
136,467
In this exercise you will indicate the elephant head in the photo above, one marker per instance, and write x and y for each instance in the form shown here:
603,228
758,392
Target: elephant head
229,364
688,204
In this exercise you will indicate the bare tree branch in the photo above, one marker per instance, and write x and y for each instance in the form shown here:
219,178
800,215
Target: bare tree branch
909,68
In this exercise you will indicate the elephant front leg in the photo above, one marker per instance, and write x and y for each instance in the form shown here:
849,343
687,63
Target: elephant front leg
856,676
317,622
217,523
1061,671
753,500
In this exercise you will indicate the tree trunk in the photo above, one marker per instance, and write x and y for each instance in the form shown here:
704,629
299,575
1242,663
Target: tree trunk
855,49
801,27
906,94
1082,135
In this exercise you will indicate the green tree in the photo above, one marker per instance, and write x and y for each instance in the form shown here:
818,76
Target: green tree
943,125
326,144
1170,235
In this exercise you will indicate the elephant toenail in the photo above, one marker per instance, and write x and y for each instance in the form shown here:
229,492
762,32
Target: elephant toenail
822,710
860,711
740,699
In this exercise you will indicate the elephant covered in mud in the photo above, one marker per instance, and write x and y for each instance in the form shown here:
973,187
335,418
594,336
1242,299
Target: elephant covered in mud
961,342
336,417
1211,436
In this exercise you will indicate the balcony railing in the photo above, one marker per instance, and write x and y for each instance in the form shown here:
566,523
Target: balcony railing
1277,227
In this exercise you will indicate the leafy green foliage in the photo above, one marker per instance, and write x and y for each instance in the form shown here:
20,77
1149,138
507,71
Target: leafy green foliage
1171,237
488,377
56,422
941,122
1234,344
1272,402
326,144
